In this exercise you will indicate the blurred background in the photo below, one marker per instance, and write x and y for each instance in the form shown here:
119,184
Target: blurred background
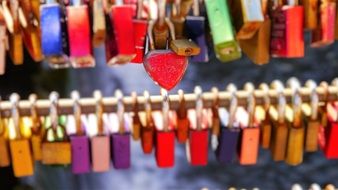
320,64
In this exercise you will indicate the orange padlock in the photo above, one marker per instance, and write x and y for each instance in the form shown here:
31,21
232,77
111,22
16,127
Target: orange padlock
136,118
4,149
56,148
182,119
148,126
266,123
36,129
22,161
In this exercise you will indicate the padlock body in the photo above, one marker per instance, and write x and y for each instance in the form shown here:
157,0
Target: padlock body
36,147
182,131
311,9
136,130
184,47
331,144
100,153
279,141
79,36
121,150
195,29
140,32
165,149
198,147
295,147
266,130
32,40
287,38
324,33
147,139
4,152
311,135
249,147
80,154
227,144
225,45
56,153
22,161
16,48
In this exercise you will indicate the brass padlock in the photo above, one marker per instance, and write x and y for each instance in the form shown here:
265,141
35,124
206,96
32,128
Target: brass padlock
56,148
4,149
161,29
310,14
22,161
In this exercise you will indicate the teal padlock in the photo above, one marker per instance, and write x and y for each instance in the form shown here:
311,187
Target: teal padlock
225,44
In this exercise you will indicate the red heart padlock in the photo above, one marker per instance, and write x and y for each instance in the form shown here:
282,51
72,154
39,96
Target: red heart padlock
165,67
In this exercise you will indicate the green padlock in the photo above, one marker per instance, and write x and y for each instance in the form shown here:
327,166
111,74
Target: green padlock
225,44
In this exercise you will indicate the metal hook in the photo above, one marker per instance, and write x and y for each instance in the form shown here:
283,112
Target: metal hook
279,87
250,88
311,84
14,99
165,109
199,106
120,110
232,89
99,111
54,98
75,95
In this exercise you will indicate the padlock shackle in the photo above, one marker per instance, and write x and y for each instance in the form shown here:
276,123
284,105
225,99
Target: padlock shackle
199,107
99,111
176,8
182,110
294,84
120,111
9,20
264,87
196,8
36,123
314,99
165,109
279,87
265,7
77,112
251,107
15,98
233,104
147,108
54,98
139,9
161,5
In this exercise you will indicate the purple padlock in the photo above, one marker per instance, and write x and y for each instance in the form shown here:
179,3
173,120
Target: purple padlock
121,150
80,154
227,147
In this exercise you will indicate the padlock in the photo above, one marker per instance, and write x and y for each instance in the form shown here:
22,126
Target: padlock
197,145
5,159
249,136
287,39
120,138
311,10
323,35
140,31
165,135
54,42
79,35
195,30
165,67
248,17
148,126
225,45
266,123
36,129
79,141
185,6
177,20
123,48
182,119
215,121
31,30
3,44
99,23
295,146
257,48
312,123
100,143
22,161
185,47
56,148
137,125
279,132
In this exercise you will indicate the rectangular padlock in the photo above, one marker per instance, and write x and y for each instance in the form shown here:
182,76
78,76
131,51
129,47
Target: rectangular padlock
4,152
249,146
248,17
140,32
100,153
80,154
54,42
165,149
36,146
56,153
324,34
16,48
331,140
184,47
195,29
122,26
279,139
198,147
227,144
295,146
311,10
311,135
121,150
266,129
287,39
79,36
182,129
225,45
22,161
147,139
137,125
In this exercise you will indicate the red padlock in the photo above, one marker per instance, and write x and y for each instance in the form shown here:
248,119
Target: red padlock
197,146
140,32
287,39
79,36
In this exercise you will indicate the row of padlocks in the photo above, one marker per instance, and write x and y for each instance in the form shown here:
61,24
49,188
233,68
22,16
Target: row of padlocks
89,134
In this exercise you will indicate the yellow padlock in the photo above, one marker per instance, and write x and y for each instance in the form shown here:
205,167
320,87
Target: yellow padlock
22,161
56,149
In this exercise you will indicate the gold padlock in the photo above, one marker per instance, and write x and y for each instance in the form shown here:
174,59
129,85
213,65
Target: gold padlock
56,148
4,149
22,161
